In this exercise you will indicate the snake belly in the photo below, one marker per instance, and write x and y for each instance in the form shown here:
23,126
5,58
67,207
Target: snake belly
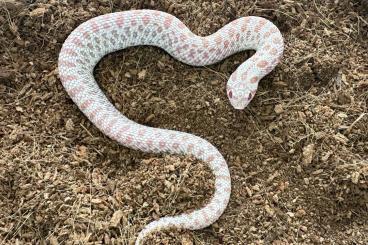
104,34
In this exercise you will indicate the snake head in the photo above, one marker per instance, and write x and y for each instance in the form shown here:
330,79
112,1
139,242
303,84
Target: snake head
240,94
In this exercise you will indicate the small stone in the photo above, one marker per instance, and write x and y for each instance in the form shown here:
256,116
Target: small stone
298,169
142,74
355,177
300,213
18,108
303,228
291,214
306,181
82,151
69,125
279,109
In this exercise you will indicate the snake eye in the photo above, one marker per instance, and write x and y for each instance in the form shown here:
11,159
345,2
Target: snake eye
250,96
230,94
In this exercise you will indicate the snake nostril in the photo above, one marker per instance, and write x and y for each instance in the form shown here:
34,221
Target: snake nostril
250,96
230,94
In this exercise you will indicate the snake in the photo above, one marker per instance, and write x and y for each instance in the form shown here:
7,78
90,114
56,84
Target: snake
87,44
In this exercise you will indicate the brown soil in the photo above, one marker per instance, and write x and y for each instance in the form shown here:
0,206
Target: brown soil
297,155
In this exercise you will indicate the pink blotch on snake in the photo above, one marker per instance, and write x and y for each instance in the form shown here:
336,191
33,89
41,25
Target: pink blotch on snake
95,38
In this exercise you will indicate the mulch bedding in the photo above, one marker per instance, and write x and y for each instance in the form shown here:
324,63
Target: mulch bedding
297,154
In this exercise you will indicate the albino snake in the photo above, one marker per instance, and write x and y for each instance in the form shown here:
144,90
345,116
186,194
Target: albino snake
95,38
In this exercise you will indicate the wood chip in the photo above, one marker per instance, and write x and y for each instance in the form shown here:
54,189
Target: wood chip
308,153
116,217
38,12
186,240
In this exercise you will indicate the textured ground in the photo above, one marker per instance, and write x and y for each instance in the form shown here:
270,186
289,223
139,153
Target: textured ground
298,154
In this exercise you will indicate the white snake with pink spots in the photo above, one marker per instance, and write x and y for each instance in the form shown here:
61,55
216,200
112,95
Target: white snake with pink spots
95,38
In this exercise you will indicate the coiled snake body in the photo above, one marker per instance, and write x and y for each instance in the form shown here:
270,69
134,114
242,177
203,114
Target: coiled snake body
95,38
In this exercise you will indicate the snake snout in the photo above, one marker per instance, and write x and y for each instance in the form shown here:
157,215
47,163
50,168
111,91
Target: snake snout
240,106
239,103
240,99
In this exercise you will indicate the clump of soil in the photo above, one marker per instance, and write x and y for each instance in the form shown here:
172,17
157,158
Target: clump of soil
297,154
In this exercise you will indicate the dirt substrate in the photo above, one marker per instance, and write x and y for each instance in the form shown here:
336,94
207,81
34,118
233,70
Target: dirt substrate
297,154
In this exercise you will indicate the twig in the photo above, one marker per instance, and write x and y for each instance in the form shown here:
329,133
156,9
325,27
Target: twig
86,130
355,122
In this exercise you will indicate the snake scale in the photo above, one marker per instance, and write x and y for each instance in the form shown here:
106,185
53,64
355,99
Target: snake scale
104,34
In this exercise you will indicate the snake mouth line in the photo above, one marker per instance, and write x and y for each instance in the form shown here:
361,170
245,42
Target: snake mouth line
239,107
